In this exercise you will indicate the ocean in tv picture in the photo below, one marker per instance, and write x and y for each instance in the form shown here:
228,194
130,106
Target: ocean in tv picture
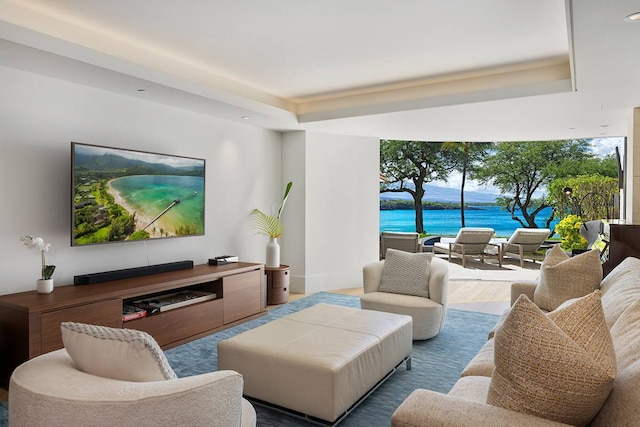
447,222
151,194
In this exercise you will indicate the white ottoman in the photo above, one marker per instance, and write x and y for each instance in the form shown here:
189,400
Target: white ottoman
319,361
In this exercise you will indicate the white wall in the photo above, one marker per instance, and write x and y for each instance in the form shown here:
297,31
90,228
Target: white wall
340,209
40,116
632,169
293,246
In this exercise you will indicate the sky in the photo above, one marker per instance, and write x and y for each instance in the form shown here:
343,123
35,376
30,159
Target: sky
169,160
599,146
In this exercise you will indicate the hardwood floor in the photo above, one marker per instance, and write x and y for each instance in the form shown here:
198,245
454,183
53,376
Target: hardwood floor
485,296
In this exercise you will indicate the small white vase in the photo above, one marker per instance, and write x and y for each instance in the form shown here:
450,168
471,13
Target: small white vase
273,253
45,286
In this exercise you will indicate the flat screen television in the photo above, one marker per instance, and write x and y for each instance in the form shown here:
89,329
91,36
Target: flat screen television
121,195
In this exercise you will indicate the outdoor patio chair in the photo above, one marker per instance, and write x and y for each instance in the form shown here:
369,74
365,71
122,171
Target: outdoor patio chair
524,242
591,231
408,242
471,242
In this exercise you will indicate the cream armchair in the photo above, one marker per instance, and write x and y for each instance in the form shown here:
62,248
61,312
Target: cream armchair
48,390
428,314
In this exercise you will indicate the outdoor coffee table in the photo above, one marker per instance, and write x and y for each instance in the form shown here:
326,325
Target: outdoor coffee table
321,361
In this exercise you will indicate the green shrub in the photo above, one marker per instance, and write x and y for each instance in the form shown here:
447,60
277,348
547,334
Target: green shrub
569,231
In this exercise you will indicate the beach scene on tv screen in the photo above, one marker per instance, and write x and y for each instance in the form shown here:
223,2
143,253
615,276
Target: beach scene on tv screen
122,195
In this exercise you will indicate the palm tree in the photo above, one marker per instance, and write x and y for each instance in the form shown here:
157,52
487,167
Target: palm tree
466,155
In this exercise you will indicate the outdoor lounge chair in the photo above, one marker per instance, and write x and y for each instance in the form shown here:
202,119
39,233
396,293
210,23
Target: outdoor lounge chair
524,242
471,242
592,230
408,242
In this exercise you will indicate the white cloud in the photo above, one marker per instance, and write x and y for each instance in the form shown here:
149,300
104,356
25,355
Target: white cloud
604,146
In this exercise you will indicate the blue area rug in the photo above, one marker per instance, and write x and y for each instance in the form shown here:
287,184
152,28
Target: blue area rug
436,363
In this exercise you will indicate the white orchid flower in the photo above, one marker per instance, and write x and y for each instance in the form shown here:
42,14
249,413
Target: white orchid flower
39,243
28,241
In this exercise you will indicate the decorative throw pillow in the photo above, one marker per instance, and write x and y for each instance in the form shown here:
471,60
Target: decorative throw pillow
621,408
620,289
563,277
406,273
559,366
120,354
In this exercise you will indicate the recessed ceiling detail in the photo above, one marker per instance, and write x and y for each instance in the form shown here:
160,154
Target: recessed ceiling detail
339,67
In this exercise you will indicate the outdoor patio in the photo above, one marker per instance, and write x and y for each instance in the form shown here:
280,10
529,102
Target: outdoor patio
482,287
486,287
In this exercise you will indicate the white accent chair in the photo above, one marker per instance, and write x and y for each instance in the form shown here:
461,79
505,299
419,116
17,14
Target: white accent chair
428,314
524,242
408,242
471,242
48,390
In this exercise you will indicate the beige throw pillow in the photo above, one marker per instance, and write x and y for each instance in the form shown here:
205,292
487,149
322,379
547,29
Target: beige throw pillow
406,273
621,408
620,289
120,354
559,366
563,277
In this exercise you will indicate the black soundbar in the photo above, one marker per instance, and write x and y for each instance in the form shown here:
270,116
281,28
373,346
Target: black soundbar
128,273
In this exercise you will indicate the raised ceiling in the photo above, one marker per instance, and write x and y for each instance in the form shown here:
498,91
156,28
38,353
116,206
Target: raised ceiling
423,69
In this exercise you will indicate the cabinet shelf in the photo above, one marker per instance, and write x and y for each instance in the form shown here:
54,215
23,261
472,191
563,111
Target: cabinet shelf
31,321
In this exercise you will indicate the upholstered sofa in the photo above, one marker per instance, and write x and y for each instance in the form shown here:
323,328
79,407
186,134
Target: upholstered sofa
466,403
50,390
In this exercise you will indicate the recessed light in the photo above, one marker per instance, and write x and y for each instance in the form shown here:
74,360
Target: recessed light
141,90
245,118
634,17
572,128
604,126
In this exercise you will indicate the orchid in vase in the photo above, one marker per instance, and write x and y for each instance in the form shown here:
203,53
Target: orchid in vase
38,243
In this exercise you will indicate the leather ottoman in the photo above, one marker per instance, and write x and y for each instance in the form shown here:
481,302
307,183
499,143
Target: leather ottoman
319,361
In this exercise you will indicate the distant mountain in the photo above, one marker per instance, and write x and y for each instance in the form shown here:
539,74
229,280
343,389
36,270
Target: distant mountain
433,193
112,163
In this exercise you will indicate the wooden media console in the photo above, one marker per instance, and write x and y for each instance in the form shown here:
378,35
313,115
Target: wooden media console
30,322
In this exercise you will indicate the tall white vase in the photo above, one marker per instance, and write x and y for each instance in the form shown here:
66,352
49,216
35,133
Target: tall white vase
273,253
45,286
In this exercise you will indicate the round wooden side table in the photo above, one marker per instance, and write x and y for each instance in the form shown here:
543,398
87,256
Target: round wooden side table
277,284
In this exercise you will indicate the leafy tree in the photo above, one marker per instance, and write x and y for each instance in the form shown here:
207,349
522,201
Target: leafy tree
591,196
139,235
186,229
415,162
121,227
604,166
519,169
467,157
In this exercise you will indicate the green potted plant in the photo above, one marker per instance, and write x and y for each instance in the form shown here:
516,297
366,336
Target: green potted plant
569,230
271,226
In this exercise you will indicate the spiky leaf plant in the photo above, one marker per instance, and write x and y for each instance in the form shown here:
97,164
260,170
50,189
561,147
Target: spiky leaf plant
270,225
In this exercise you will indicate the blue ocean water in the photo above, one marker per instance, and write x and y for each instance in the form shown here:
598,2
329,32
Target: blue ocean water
151,194
447,222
